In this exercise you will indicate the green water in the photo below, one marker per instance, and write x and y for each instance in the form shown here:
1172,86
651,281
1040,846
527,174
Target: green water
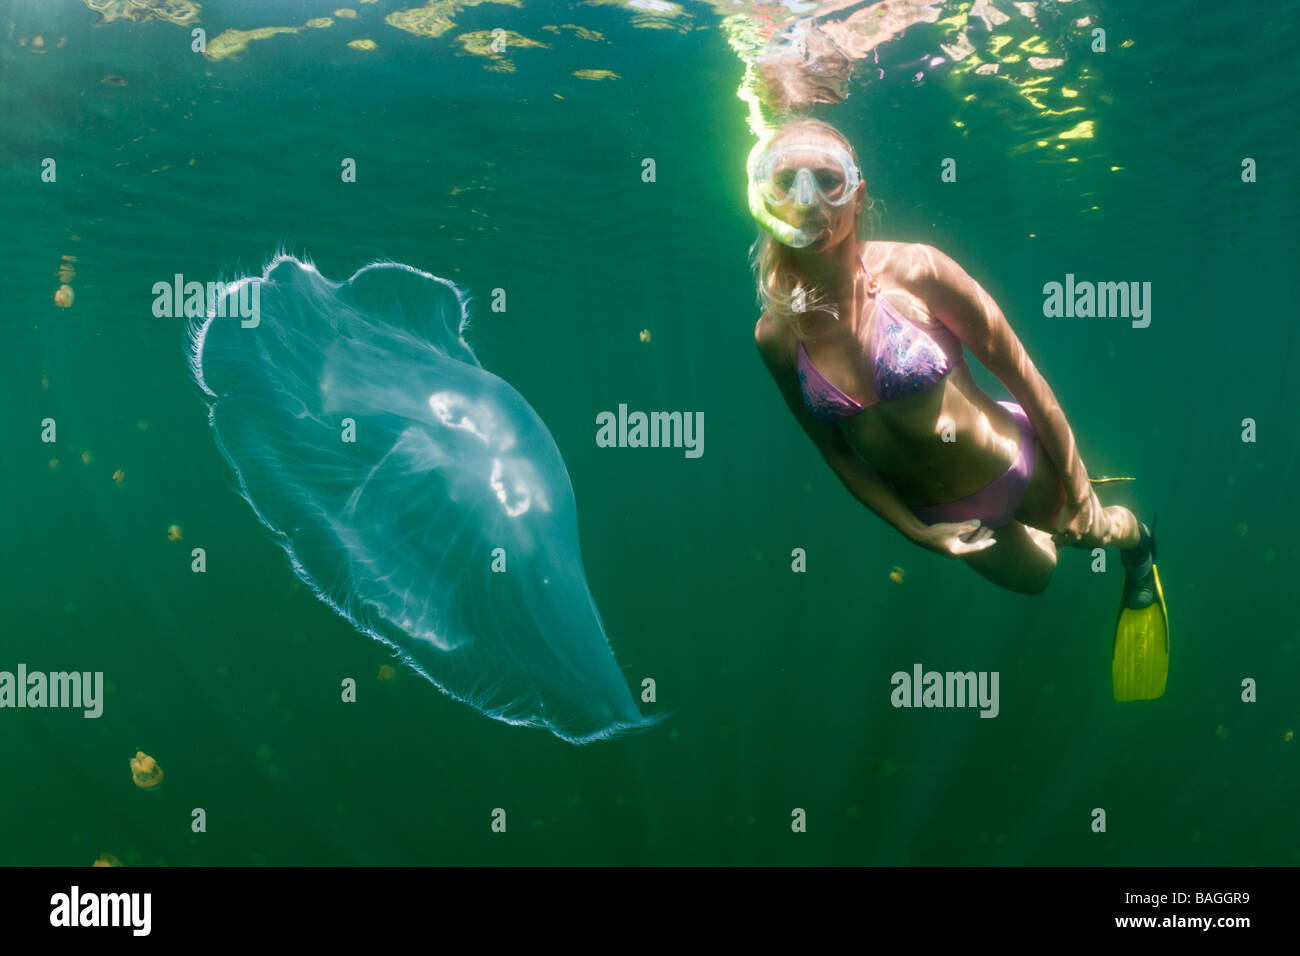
531,181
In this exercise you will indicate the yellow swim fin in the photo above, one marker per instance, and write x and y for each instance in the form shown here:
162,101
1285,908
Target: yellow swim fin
1140,665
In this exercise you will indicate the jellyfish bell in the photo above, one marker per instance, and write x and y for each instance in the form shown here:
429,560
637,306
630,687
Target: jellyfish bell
446,526
107,859
145,772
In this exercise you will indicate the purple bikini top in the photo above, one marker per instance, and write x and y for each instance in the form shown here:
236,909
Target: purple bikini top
905,360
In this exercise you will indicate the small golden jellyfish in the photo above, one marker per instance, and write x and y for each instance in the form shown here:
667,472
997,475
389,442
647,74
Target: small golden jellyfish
119,476
1242,529
174,532
645,335
1289,736
142,425
145,771
319,23
87,458
898,575
54,464
362,44
63,298
38,41
387,672
107,859
1221,733
345,14
67,274
114,79
45,382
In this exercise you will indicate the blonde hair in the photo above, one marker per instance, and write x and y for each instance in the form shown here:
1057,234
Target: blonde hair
773,263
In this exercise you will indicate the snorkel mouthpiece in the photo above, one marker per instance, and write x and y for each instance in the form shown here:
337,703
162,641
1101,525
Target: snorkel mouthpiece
784,178
799,238
780,230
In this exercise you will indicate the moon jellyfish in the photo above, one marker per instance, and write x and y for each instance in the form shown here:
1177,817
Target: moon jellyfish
417,494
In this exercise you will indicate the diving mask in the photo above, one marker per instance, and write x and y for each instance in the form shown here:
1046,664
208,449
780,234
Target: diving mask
802,174
796,177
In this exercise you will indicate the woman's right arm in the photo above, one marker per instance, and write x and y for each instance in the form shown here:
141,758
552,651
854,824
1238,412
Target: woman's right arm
862,481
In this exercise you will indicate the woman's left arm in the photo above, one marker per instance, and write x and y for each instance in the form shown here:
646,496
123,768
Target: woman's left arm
962,305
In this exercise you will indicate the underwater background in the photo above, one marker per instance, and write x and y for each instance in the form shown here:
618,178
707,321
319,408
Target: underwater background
523,171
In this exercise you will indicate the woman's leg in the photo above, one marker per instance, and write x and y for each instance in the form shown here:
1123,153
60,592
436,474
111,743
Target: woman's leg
1022,560
1024,555
1121,530
1045,495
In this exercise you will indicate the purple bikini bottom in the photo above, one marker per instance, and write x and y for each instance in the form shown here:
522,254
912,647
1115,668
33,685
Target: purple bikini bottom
996,503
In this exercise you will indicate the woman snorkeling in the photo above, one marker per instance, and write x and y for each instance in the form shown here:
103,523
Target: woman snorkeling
867,341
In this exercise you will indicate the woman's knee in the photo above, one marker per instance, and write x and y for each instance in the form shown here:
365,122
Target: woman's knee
1028,581
1037,583
1022,561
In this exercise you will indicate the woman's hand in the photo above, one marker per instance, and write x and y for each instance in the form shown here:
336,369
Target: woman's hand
953,539
1082,522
